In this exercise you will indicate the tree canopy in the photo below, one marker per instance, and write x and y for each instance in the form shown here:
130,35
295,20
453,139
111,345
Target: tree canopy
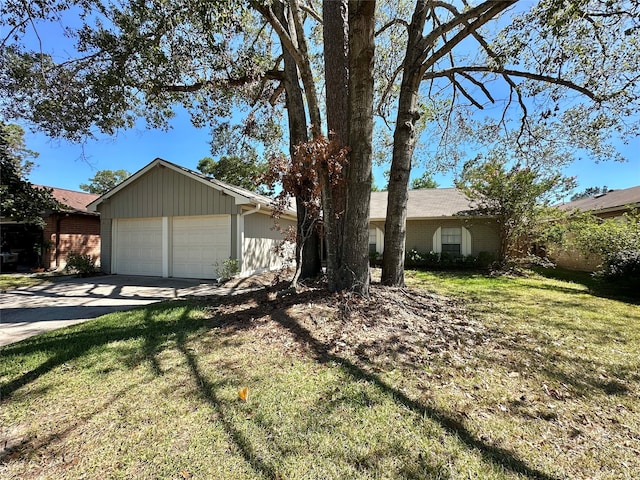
104,180
515,194
589,192
237,171
423,182
19,199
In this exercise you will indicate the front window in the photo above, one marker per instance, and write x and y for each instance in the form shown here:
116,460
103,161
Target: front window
373,247
452,241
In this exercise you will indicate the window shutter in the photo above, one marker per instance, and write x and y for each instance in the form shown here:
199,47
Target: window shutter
465,248
437,241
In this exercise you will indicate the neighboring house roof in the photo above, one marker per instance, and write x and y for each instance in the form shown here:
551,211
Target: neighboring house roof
607,202
74,201
425,203
242,196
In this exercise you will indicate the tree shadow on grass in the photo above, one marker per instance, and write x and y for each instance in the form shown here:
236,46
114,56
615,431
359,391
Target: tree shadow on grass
497,456
585,376
208,391
77,341
30,446
65,345
623,291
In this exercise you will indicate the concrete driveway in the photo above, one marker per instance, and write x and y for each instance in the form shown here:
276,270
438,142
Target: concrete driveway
28,311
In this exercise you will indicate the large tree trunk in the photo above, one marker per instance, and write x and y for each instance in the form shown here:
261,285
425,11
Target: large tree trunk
354,274
348,52
418,58
336,47
307,237
404,140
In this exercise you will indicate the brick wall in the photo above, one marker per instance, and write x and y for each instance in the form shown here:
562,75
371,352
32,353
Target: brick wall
78,234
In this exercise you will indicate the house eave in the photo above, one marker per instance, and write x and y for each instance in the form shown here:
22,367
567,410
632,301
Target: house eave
440,217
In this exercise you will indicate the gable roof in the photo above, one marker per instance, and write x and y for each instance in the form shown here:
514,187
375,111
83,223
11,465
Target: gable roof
74,201
610,201
241,195
425,203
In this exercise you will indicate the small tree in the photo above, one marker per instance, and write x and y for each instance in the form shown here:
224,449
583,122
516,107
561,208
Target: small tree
423,182
245,173
514,194
298,176
589,192
104,180
19,199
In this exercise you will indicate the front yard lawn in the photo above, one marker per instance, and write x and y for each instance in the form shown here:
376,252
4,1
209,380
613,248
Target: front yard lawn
458,376
9,282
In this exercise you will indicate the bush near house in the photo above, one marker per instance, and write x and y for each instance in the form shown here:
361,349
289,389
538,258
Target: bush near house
445,261
615,240
81,264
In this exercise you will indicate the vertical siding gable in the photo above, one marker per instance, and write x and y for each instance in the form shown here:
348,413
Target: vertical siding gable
163,192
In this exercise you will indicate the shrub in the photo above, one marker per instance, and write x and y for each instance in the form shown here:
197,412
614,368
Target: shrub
81,264
415,259
615,240
624,264
229,269
485,259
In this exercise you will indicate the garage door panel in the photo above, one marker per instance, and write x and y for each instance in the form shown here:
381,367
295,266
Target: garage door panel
200,244
138,246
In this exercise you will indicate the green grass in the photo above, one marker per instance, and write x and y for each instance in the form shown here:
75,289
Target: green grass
550,389
9,282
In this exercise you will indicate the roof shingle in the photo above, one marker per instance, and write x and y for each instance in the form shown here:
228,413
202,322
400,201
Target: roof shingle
76,201
610,200
425,203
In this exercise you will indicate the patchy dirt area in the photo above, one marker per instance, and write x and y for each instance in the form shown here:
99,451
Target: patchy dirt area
394,327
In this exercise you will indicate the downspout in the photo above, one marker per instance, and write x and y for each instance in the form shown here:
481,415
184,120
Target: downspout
249,212
57,257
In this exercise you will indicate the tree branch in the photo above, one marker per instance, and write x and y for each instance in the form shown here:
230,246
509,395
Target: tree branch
388,88
391,23
220,83
284,36
483,14
18,26
465,93
478,84
514,73
307,9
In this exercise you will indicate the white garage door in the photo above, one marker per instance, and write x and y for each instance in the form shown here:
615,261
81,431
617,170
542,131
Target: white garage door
138,246
199,243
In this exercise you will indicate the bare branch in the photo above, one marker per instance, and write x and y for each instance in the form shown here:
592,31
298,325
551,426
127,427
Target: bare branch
30,20
11,32
307,9
514,73
478,84
465,93
284,36
387,90
391,23
274,96
484,13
